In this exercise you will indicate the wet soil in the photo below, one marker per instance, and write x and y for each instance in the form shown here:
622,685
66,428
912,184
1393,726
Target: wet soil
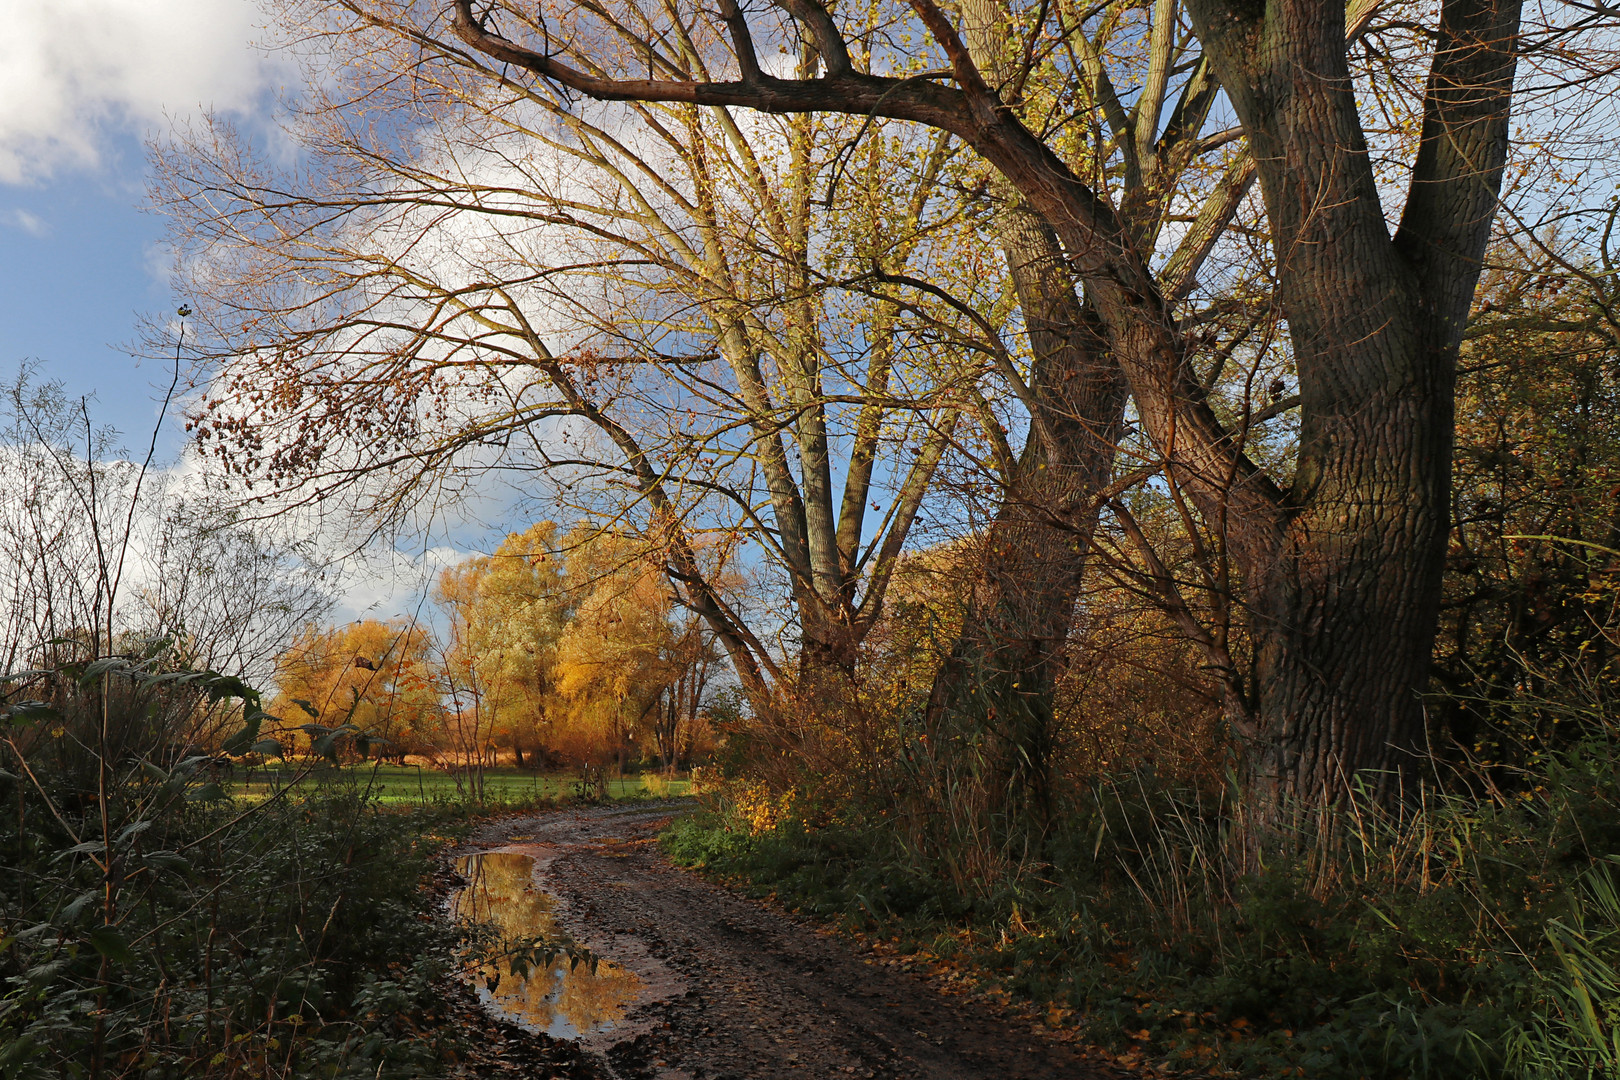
731,989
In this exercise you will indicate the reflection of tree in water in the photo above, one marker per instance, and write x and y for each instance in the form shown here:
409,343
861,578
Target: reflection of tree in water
502,893
548,998
589,1000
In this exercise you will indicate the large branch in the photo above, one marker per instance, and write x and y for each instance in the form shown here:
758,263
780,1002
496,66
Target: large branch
1171,400
906,506
845,91
1180,271
1458,173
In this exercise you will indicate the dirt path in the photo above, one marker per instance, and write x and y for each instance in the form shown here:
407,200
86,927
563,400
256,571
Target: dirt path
734,991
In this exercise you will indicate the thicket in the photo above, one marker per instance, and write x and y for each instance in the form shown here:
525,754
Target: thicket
1456,937
150,926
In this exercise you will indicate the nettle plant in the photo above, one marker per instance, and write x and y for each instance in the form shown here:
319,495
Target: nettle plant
151,925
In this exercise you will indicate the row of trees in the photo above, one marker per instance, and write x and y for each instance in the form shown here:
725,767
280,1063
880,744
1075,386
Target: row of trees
560,647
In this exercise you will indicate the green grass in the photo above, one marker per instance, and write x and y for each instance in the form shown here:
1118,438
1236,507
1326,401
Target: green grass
412,786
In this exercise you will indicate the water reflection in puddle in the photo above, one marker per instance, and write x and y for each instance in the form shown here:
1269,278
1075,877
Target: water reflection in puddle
561,1001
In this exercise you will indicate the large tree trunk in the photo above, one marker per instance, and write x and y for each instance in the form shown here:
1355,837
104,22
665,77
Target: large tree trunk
992,699
1345,620
1347,608
999,678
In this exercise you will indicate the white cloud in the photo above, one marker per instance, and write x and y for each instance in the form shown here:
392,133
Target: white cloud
389,583
73,71
28,223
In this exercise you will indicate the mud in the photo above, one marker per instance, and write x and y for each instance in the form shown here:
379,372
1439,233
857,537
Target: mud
729,989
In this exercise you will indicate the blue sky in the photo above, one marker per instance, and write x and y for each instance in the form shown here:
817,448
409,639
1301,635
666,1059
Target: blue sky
83,83
79,264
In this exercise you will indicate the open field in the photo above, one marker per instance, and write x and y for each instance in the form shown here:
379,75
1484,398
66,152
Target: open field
414,785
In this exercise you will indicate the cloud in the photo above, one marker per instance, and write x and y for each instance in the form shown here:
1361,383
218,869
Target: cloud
28,223
75,72
389,583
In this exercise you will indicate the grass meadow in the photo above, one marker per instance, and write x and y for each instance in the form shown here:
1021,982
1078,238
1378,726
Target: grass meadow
412,785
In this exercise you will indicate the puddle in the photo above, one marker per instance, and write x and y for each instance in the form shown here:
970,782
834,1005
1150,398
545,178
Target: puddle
560,1000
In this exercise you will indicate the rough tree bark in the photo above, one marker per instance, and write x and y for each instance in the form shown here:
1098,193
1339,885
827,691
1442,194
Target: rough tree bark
1000,674
1347,604
992,699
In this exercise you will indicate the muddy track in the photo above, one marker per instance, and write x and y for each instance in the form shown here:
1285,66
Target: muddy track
732,990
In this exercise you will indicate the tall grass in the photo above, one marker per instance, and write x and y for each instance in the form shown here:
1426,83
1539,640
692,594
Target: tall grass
1574,1030
1470,929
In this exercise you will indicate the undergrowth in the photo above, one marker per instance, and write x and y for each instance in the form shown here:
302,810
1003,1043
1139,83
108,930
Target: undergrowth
152,926
1458,935
294,942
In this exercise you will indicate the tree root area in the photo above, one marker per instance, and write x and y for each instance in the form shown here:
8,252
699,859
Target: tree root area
735,990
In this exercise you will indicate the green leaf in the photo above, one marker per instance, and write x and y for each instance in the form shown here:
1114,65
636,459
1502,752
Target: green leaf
130,831
315,714
167,860
97,668
208,793
238,743
324,740
16,1052
1384,918
71,913
268,747
157,678
220,687
31,712
82,849
153,645
110,942
48,971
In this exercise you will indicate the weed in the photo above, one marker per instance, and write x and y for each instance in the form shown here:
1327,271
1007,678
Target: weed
1451,936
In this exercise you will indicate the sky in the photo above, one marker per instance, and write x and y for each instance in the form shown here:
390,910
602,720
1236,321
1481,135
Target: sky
83,85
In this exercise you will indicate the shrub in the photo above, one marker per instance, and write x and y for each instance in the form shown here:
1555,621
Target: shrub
149,926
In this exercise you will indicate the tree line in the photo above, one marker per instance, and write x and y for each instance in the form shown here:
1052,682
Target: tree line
559,649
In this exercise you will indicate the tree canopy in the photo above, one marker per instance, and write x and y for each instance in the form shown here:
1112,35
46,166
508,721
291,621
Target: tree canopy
1175,289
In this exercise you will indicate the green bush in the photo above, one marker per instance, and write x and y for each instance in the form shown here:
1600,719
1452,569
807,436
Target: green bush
152,927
